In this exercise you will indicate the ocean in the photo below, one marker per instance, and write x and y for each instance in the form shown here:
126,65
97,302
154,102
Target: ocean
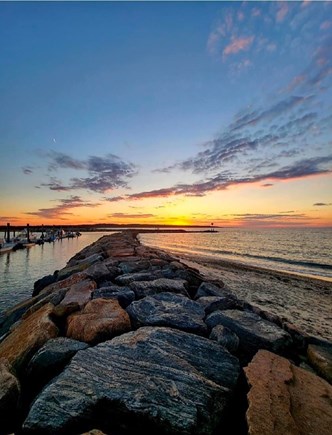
301,251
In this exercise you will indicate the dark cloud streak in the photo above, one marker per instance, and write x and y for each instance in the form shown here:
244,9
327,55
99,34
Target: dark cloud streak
105,173
62,209
300,169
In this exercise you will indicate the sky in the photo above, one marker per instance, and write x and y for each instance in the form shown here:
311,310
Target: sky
166,113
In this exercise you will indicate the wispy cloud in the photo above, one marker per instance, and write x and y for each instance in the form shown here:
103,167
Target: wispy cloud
131,215
28,170
9,219
299,169
282,11
61,160
104,173
271,220
326,25
62,210
322,204
238,44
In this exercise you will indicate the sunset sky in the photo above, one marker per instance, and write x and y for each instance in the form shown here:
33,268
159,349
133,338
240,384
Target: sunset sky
166,113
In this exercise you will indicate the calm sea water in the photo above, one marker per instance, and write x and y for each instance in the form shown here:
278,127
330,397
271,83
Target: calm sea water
302,251
20,269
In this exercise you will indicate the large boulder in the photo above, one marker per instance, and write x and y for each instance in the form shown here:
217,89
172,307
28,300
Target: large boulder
100,272
285,399
134,266
94,258
19,346
100,320
254,332
214,303
168,309
138,276
65,283
210,289
80,293
50,359
149,288
157,380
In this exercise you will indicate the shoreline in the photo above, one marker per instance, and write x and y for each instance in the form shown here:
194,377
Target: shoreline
304,301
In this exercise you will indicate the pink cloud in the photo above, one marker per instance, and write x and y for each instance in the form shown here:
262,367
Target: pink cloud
271,47
326,25
213,41
305,3
297,80
282,11
240,16
238,44
256,12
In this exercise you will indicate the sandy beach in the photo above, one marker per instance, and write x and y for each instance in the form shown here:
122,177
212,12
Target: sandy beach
305,302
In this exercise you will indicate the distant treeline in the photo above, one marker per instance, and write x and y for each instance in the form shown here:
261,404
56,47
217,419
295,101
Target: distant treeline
95,227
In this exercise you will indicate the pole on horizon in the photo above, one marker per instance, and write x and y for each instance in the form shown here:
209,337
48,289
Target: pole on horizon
8,233
28,233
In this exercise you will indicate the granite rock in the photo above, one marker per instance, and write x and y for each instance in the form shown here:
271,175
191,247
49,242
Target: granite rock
149,288
158,380
168,309
254,332
100,320
28,337
285,399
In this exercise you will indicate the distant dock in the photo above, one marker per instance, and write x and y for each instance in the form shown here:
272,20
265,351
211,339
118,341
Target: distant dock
23,237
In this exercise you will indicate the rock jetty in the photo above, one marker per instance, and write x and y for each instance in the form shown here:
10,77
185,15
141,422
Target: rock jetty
126,338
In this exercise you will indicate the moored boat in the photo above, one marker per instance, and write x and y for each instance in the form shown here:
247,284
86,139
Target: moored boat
6,246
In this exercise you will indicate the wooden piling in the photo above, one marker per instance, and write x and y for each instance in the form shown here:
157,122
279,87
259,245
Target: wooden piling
7,237
28,233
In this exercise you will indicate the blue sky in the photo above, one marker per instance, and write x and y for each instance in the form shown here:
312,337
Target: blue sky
161,111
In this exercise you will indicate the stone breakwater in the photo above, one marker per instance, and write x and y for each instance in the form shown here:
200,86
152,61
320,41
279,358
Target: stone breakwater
125,339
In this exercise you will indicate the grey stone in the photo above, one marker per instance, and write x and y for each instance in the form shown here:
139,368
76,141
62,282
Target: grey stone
254,332
51,359
134,266
149,288
210,289
214,303
168,309
138,276
156,379
99,272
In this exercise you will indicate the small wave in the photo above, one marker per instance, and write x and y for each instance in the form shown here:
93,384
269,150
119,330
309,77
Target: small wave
309,264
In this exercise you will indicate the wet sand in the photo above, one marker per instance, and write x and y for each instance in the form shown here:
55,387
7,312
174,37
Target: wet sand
305,302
